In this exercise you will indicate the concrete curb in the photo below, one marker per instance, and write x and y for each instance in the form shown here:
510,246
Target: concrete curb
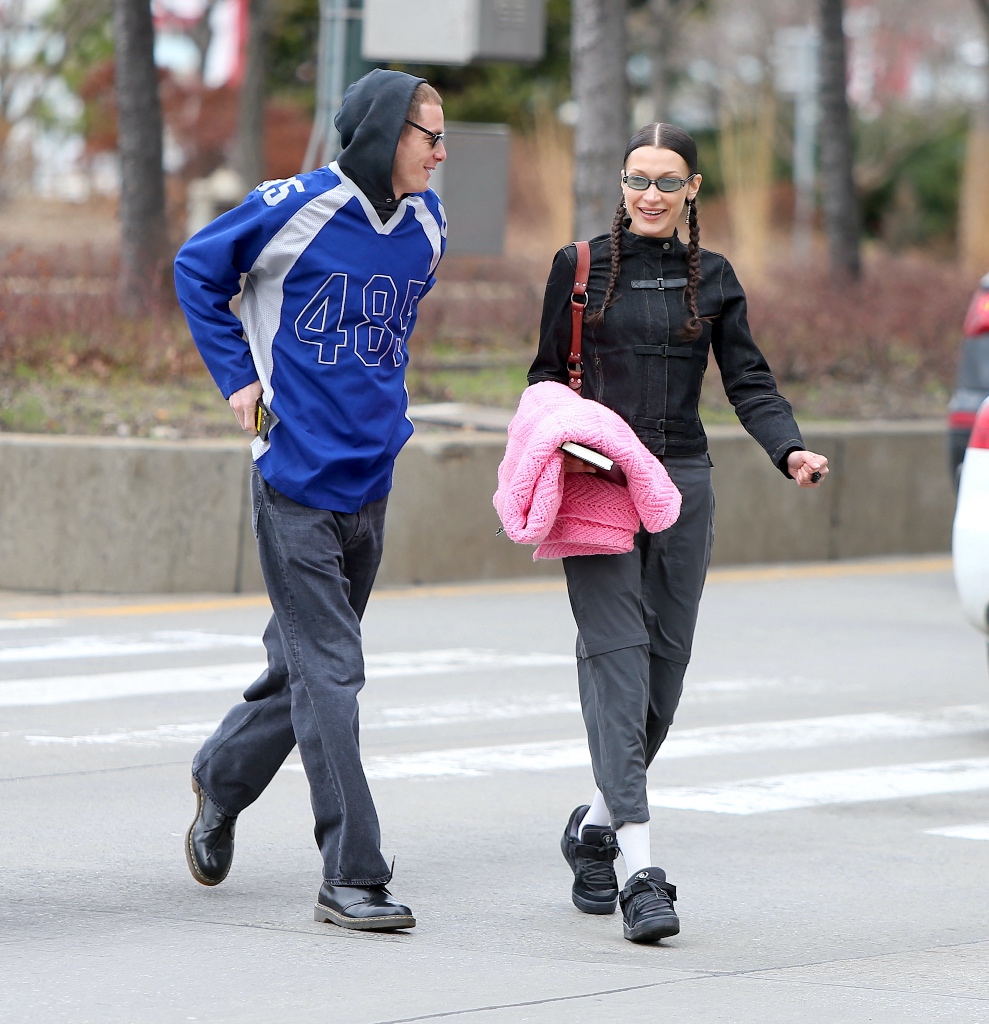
105,515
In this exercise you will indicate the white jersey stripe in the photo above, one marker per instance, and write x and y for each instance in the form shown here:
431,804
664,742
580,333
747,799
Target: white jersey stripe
261,305
434,232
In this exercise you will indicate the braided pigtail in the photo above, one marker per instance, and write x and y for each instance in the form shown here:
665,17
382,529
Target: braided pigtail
693,327
597,317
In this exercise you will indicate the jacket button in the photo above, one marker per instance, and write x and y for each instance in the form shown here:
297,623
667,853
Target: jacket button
666,245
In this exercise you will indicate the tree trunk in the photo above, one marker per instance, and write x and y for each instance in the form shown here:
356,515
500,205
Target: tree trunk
143,235
983,8
601,95
250,122
840,201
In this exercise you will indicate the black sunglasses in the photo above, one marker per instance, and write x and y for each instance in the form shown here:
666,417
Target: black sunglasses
640,183
435,137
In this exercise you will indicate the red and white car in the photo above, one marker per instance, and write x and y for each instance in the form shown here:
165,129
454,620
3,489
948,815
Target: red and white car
970,535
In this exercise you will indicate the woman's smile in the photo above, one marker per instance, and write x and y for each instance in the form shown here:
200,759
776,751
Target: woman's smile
653,213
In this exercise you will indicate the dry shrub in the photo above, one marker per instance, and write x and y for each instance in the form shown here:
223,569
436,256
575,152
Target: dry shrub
482,302
58,313
540,215
897,329
746,152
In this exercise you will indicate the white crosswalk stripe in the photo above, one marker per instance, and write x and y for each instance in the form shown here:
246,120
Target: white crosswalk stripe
8,625
447,713
744,796
755,737
159,642
69,689
751,796
980,832
814,789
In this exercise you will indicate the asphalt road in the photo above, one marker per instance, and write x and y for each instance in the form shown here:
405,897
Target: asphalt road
821,805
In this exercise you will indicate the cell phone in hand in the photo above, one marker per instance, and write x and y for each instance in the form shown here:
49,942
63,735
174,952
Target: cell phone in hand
262,420
603,466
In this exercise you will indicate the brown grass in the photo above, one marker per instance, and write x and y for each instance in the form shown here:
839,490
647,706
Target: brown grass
885,347
58,313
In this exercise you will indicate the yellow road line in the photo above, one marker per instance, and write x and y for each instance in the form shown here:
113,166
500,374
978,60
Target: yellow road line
548,586
813,570
831,570
158,608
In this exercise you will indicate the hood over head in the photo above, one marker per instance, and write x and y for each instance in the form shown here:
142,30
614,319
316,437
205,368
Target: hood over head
370,121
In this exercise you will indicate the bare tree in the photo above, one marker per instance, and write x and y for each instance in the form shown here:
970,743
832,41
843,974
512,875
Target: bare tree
250,121
143,235
840,201
599,55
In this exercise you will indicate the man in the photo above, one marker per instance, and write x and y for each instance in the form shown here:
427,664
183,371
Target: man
336,263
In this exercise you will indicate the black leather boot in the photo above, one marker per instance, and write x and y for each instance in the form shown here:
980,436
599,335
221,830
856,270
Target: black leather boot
647,906
209,843
369,908
592,859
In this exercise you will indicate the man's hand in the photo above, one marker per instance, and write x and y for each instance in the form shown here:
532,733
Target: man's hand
803,465
244,404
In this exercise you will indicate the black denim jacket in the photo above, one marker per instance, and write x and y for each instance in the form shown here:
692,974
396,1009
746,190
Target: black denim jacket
637,362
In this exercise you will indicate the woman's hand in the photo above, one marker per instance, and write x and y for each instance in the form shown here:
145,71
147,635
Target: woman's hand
244,404
803,465
571,464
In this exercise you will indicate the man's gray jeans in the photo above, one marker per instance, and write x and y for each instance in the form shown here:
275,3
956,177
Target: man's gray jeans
318,568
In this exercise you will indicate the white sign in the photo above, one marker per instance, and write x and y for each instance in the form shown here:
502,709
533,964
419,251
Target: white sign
453,31
424,32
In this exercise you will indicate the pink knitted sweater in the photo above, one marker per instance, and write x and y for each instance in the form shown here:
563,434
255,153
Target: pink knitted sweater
577,513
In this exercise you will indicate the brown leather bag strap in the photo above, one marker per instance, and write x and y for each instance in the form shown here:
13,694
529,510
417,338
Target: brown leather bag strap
578,300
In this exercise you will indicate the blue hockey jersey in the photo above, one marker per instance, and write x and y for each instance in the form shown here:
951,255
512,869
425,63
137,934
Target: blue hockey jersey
329,301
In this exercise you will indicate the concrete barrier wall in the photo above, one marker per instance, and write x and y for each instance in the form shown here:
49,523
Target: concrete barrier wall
130,516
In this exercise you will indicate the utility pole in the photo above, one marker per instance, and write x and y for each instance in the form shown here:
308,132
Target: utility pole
250,113
599,55
335,20
796,75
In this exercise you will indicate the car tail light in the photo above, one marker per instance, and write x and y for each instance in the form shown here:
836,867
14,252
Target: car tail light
980,431
961,420
977,317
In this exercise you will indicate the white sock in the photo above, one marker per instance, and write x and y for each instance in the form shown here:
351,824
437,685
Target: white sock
597,813
633,841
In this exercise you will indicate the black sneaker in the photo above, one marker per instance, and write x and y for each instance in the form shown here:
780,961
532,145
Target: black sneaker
592,858
647,906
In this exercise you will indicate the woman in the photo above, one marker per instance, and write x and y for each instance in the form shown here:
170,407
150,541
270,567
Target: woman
655,308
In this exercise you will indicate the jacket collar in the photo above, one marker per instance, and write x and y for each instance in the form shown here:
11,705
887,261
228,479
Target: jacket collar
654,246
